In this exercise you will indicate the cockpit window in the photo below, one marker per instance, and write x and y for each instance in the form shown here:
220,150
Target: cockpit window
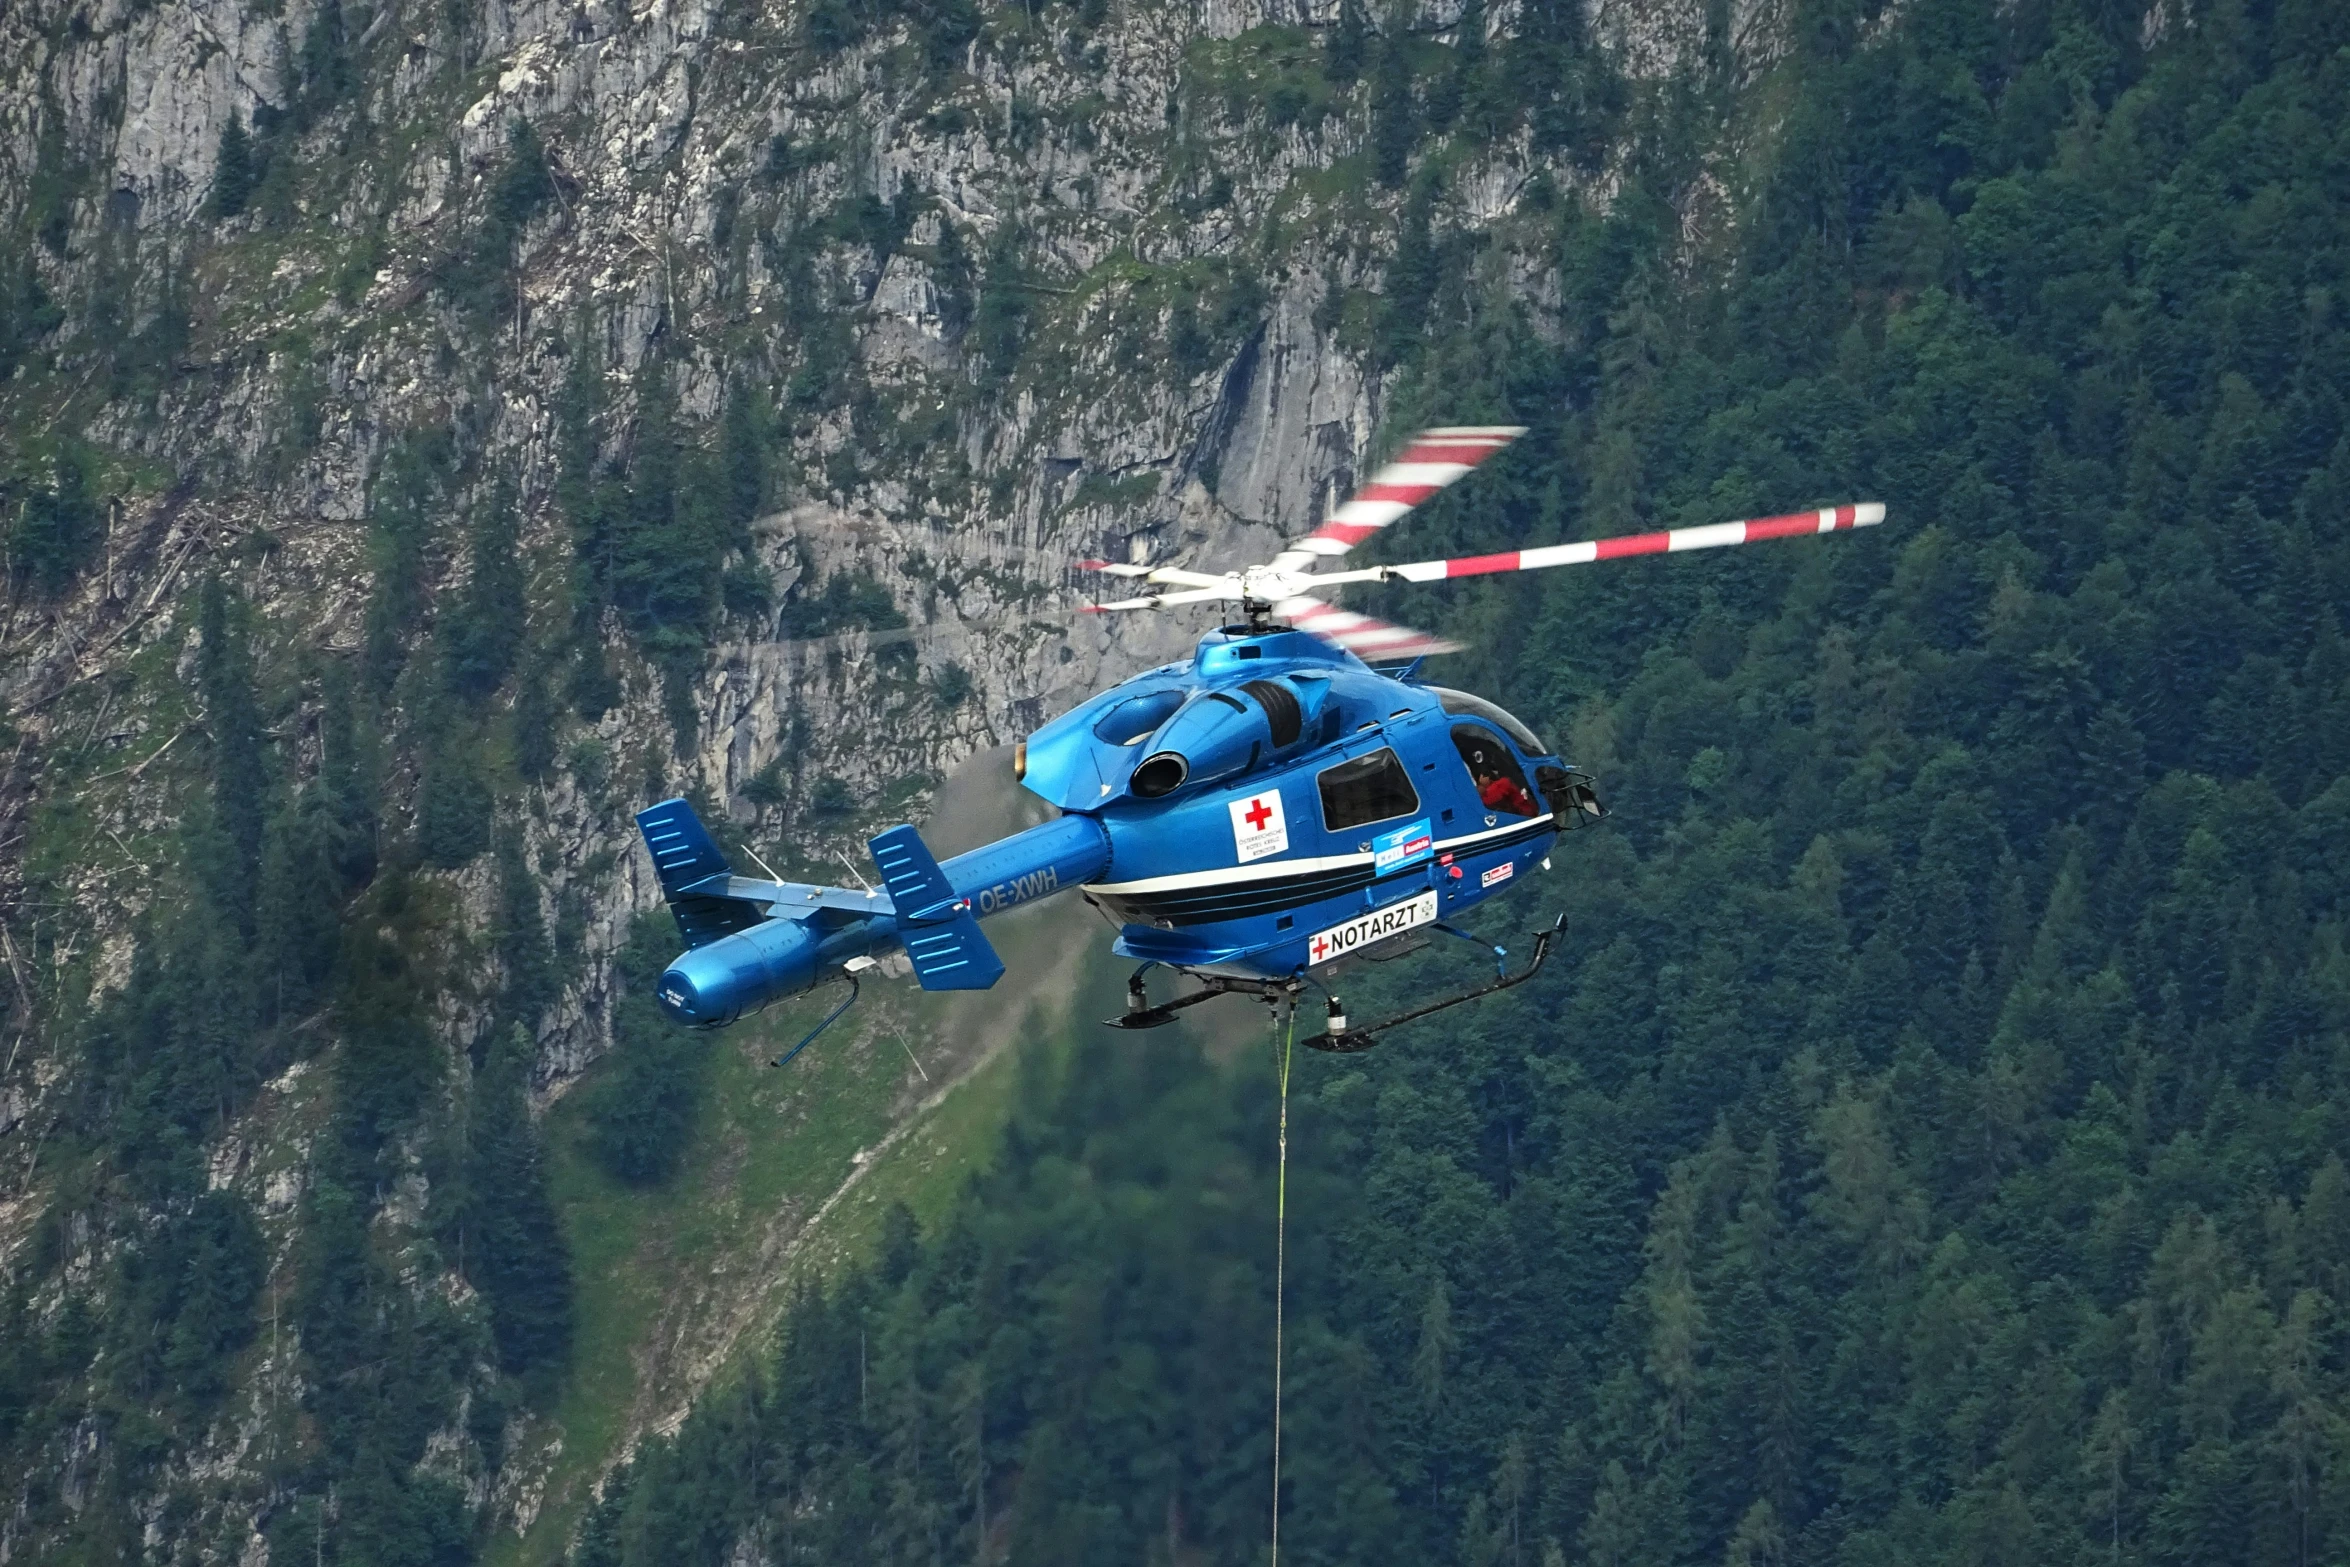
1368,789
1137,718
1462,705
1499,781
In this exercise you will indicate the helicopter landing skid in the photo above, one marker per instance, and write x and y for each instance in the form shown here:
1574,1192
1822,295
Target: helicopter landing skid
1141,1014
1354,1039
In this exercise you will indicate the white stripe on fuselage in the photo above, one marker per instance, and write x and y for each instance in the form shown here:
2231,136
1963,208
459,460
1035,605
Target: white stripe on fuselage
1269,870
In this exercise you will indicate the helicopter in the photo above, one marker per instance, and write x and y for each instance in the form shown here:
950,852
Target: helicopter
1289,799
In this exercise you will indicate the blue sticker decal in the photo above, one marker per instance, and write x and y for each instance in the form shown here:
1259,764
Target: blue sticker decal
1402,847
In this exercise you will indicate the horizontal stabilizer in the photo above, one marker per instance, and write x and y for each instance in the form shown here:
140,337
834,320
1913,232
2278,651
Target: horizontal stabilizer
935,926
952,956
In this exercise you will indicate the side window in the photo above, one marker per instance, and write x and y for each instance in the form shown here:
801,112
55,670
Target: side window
1368,789
1499,781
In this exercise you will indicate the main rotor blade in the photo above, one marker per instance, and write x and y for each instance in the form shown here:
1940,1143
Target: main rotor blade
1366,638
1671,542
1222,593
1431,460
1177,575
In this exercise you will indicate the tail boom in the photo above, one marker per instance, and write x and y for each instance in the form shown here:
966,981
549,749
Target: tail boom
789,936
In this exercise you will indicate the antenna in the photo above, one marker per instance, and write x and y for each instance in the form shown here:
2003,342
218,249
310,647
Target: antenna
853,871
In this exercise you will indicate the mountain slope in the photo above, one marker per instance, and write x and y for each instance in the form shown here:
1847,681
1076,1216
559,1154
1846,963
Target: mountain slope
428,433
1934,1150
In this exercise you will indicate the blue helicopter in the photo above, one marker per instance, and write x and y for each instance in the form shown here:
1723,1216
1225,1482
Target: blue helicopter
1251,817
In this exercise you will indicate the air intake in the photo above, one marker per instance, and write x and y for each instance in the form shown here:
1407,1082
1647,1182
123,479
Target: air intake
1282,714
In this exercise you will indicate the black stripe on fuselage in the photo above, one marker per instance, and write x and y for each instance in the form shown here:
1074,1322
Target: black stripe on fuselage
1209,904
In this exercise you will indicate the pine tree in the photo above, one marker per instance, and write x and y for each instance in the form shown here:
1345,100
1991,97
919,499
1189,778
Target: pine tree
240,771
514,1247
1394,119
297,919
485,630
348,781
1346,43
234,170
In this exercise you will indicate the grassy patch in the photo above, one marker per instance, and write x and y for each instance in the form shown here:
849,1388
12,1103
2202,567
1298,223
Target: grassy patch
679,1286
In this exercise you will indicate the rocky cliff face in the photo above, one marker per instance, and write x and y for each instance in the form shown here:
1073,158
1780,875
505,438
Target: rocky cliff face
1010,287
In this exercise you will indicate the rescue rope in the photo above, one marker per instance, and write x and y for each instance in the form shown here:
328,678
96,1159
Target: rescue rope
1281,1265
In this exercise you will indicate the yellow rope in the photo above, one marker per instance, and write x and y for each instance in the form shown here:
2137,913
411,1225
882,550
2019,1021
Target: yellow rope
1280,1269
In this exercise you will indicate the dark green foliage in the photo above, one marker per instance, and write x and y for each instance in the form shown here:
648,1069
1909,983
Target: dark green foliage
235,170
382,1361
322,72
385,1367
950,271
1346,44
940,29
1394,117
231,866
1566,87
1189,349
511,1247
742,464
389,1058
643,1110
1210,318
649,544
454,807
187,1304
348,777
298,917
27,313
411,483
520,935
1412,277
59,180
534,719
850,601
525,185
746,589
785,158
484,629
1933,1150
766,786
137,311
238,945
56,527
1001,320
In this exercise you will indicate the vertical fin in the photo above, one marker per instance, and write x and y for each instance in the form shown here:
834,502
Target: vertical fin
683,851
935,926
686,857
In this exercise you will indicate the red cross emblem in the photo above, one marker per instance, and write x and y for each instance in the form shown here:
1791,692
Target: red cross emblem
1321,945
1257,814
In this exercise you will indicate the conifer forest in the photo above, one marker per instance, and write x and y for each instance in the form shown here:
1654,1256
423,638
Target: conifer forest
430,434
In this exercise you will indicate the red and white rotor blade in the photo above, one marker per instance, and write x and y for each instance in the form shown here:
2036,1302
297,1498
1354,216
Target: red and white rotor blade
1364,637
1430,461
1674,541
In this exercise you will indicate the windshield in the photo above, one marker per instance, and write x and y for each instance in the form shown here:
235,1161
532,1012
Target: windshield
1462,705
